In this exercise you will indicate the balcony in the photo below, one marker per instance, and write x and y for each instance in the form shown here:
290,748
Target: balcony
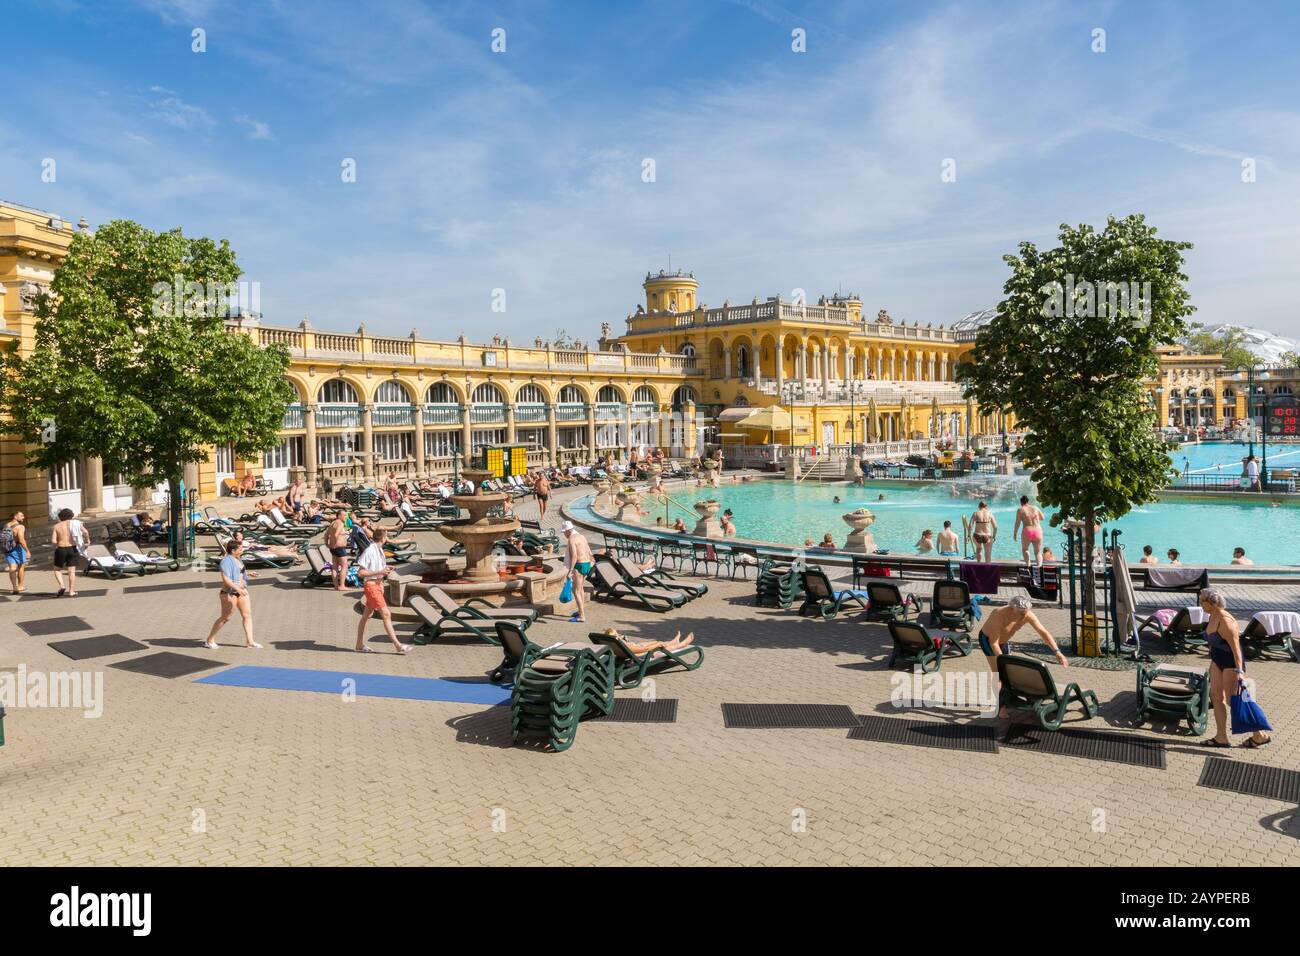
293,417
338,415
644,411
530,413
609,411
485,414
393,415
571,412
440,414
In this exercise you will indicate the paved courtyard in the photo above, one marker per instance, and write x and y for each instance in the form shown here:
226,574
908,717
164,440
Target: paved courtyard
179,772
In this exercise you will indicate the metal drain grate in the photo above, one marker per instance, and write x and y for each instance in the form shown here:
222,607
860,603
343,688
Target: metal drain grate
927,733
1253,779
634,710
788,716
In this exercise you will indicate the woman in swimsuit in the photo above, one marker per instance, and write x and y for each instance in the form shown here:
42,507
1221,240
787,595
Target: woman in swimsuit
984,529
1227,669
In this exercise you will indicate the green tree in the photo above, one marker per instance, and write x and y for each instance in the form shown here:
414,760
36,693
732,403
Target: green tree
1070,365
1289,360
133,364
1230,343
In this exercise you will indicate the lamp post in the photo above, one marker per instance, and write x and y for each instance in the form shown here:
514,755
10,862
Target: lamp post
1250,417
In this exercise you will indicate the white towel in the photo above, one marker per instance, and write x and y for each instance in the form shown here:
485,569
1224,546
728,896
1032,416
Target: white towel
1279,622
1197,615
1174,577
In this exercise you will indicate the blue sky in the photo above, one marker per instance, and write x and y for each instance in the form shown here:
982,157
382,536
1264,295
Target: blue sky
775,170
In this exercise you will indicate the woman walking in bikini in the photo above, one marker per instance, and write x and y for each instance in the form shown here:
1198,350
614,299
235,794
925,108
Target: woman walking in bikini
984,529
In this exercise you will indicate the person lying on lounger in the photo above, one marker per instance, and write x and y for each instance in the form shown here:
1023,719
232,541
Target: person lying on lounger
645,647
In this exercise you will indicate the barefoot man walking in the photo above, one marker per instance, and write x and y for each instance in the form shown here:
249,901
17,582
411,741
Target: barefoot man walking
373,568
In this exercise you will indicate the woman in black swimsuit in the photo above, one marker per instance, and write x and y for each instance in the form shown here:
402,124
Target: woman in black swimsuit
1227,669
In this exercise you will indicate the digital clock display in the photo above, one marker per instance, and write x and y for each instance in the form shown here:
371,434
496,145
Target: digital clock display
1283,420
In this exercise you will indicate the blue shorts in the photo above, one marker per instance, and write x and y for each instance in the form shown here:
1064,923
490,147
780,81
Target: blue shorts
17,557
987,648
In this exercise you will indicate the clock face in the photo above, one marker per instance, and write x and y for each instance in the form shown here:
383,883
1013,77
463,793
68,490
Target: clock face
490,359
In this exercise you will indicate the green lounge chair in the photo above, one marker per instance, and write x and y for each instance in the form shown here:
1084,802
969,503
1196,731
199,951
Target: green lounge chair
1177,692
819,596
655,578
476,616
1027,685
609,585
950,606
1256,639
631,668
1179,630
150,561
886,603
776,584
99,558
915,646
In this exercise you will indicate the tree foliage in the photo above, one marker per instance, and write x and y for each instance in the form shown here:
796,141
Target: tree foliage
127,371
1074,376
1230,343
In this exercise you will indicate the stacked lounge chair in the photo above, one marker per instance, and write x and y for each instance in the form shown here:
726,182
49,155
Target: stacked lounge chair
1172,691
556,687
777,585
887,603
658,578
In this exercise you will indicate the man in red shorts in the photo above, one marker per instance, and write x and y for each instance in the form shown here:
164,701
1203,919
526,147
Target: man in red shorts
373,568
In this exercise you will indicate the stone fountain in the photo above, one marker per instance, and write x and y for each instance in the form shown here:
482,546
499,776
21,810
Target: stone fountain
860,540
629,501
478,531
604,489
708,526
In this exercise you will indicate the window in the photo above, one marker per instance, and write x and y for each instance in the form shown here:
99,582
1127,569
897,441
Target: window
394,446
334,449
225,459
393,393
572,437
67,477
609,394
571,395
530,395
287,454
645,395
338,391
489,394
441,444
487,436
440,393
532,437
688,350
683,395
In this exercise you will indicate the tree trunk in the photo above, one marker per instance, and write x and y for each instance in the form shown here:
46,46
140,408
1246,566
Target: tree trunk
174,519
1089,569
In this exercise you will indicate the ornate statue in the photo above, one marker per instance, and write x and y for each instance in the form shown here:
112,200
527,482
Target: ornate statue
883,318
605,330
27,295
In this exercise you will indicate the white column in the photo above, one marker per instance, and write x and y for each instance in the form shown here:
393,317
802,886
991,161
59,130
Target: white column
803,368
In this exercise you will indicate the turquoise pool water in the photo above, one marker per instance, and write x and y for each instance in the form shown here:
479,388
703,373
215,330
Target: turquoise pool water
1204,532
1224,458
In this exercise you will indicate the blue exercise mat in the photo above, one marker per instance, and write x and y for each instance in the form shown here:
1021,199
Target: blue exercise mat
364,685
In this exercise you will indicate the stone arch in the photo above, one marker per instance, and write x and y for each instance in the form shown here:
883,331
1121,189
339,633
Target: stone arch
488,393
392,392
530,393
571,394
609,393
340,389
443,393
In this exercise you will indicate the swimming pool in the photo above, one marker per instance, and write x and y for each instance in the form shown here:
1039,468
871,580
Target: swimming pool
1205,532
1224,457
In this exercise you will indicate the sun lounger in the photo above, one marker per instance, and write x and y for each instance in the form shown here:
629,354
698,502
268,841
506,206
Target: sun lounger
609,585
1184,627
631,668
950,605
556,687
1171,691
150,561
885,602
320,566
1272,629
819,596
99,558
654,578
915,646
1027,685
440,615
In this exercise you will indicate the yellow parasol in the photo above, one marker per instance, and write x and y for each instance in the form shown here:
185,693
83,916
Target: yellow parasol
774,418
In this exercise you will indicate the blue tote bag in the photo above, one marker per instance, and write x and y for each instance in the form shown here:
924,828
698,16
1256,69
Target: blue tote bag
1247,716
566,595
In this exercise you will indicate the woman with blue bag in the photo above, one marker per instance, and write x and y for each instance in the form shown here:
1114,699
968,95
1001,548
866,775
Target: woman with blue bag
1228,677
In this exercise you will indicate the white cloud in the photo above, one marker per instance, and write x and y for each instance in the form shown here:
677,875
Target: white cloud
256,128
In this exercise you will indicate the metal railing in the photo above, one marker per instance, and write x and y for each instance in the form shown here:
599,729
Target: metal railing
530,413
293,416
440,414
338,415
570,412
485,414
393,415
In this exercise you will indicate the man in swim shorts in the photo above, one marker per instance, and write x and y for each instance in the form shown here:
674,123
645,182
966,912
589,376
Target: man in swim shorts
1002,623
948,544
1029,522
580,561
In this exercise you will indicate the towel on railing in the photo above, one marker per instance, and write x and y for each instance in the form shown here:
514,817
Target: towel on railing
1278,622
981,578
1174,577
